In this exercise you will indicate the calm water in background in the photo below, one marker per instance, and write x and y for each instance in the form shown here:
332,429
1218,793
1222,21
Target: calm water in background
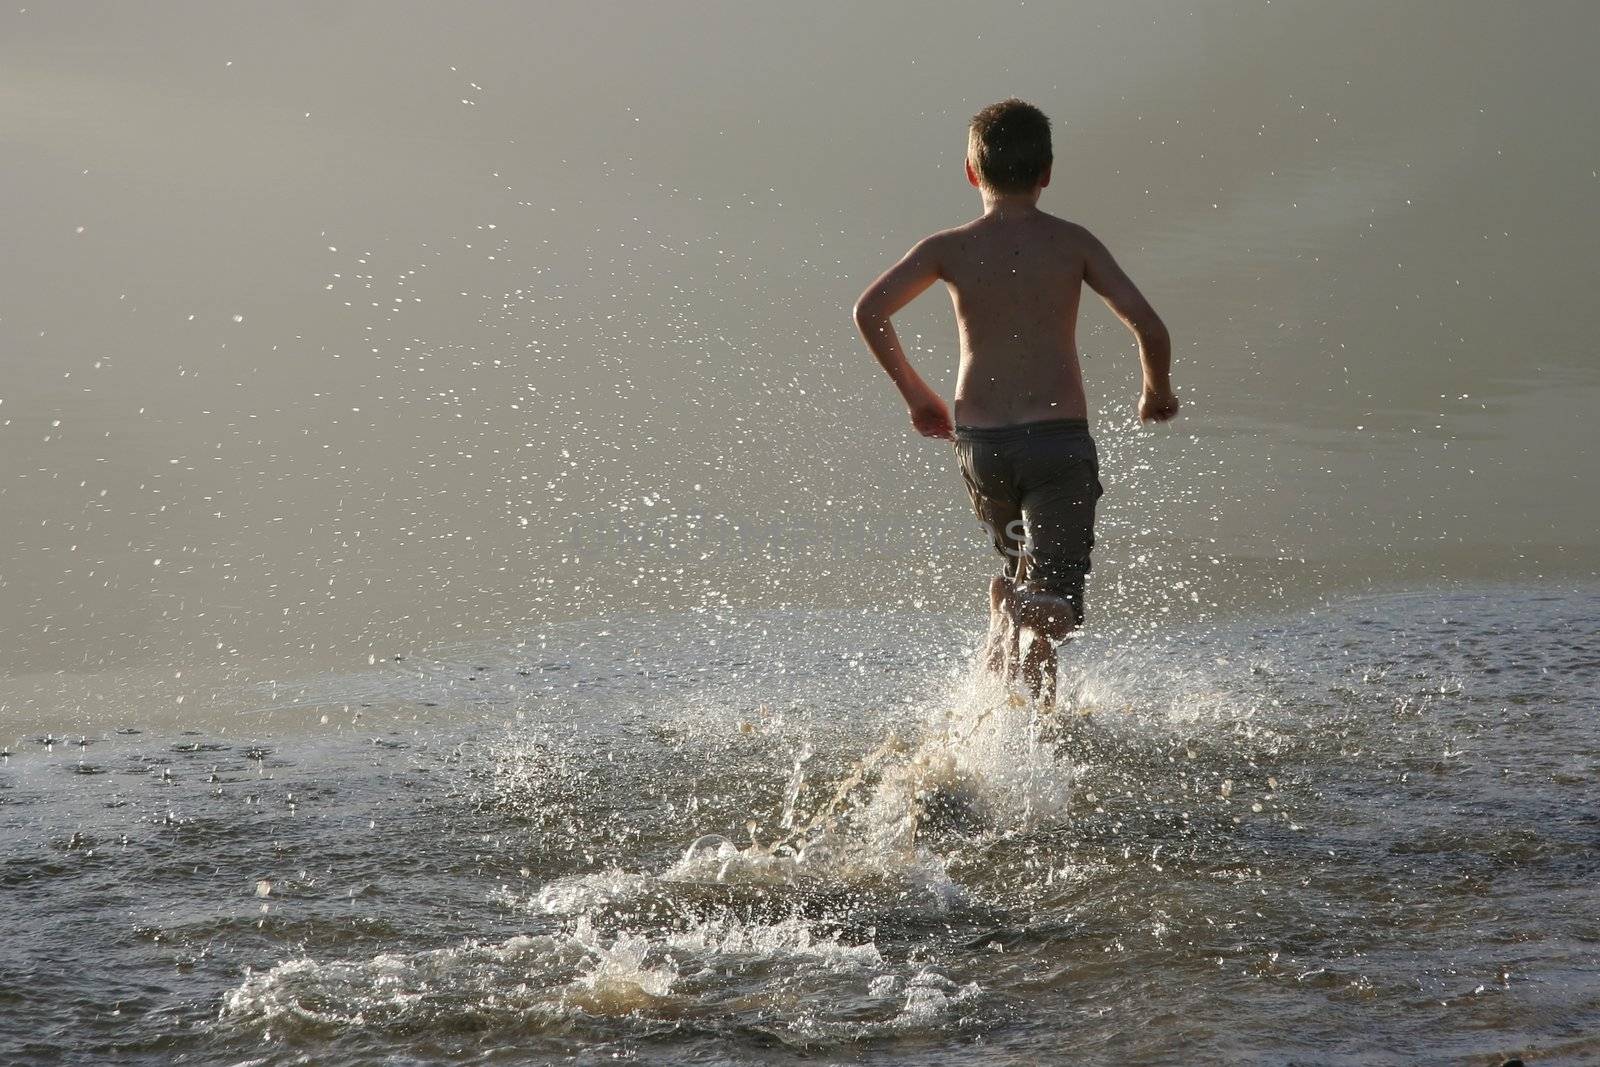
512,343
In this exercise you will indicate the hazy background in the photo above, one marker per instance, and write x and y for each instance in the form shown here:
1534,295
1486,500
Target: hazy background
335,331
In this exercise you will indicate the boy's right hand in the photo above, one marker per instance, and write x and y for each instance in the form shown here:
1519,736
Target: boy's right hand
931,416
1157,405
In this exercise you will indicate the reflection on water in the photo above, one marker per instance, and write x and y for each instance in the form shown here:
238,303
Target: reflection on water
1363,830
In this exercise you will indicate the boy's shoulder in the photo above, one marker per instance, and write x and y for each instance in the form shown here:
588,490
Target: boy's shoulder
948,244
1064,228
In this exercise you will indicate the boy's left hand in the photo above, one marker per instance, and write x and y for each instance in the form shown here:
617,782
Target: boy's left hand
1157,405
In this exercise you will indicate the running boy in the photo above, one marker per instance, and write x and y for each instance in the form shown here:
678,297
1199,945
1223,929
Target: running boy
1022,439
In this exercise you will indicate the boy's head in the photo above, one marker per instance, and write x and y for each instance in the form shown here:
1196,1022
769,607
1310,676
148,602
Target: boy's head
1008,147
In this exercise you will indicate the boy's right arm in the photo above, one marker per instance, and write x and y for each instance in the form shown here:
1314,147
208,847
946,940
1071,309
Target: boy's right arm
1157,402
896,288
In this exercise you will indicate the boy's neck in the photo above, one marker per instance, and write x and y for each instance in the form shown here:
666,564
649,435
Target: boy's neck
1002,205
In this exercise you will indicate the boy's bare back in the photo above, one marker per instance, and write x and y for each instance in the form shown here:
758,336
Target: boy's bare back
1015,279
1015,275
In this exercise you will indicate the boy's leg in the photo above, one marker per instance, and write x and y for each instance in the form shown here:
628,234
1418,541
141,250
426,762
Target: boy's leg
1001,590
1049,620
1000,647
1006,650
993,500
1039,671
1058,509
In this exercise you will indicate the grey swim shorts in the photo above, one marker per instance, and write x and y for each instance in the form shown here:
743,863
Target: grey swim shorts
1034,487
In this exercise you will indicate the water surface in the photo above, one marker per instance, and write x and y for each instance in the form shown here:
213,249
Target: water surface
1363,835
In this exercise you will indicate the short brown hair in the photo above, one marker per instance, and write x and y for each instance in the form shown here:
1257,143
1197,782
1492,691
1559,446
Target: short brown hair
1009,146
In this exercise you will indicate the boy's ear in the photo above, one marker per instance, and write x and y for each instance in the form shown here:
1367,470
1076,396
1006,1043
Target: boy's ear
1044,181
972,175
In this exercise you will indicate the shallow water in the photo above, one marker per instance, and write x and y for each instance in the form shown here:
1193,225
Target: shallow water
1361,835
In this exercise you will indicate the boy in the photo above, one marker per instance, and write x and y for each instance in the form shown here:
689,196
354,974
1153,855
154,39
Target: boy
1022,438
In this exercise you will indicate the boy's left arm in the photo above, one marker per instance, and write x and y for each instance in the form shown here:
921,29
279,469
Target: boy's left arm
899,285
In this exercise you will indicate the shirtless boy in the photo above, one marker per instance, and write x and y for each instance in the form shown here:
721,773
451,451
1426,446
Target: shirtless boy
1021,426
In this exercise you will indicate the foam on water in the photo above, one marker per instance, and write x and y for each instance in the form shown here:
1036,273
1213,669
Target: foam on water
982,750
700,973
844,842
979,764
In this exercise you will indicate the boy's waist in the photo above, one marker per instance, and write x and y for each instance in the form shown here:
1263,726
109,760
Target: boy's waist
1023,430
